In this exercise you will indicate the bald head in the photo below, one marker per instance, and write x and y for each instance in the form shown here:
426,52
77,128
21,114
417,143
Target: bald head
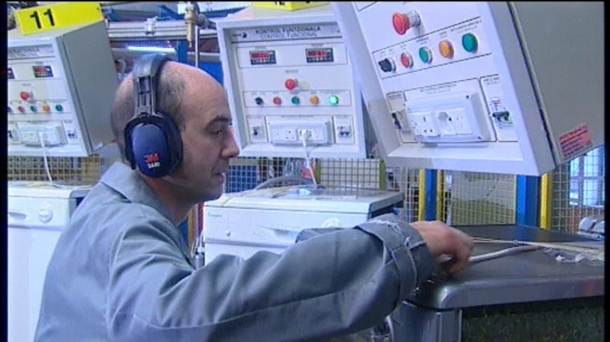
176,84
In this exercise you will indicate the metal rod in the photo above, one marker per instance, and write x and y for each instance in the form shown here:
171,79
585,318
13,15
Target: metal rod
196,38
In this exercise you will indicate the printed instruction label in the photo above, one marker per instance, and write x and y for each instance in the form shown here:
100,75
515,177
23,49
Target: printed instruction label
575,141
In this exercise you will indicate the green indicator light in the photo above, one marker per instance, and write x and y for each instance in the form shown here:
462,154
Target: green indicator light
333,100
469,42
33,108
424,54
59,108
296,100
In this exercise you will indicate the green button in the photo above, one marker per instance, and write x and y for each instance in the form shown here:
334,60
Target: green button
469,42
296,100
33,109
425,54
59,108
333,100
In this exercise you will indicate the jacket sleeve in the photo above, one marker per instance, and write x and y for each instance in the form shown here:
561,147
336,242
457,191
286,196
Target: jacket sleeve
330,285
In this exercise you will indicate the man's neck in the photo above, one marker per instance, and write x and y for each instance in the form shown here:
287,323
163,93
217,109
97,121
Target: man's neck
172,198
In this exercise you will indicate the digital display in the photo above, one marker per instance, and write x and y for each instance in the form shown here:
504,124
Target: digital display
10,74
261,57
42,71
319,55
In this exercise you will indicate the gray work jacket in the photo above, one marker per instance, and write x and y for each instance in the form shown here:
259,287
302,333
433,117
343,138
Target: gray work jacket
122,271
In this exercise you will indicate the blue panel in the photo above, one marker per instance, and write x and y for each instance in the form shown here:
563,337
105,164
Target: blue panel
527,203
430,196
214,69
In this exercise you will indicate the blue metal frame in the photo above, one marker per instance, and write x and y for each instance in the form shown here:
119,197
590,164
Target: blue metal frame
430,195
527,203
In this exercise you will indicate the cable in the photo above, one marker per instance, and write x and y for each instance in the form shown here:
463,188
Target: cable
501,253
47,169
305,135
44,158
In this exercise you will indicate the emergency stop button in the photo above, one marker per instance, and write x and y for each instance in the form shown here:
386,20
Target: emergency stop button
402,22
290,83
25,95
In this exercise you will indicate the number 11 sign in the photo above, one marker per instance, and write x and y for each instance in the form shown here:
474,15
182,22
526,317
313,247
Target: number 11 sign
64,14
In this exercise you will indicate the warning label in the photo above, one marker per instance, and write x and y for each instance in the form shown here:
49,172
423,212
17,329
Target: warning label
576,141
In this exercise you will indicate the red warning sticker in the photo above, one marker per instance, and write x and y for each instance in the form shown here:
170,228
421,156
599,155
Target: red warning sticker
575,141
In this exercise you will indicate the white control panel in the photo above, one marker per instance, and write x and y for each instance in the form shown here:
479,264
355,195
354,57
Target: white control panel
291,83
60,91
497,87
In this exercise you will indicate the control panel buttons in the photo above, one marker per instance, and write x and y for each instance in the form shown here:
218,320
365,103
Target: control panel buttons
402,22
259,101
470,42
425,54
291,83
446,49
59,108
33,109
314,100
46,108
295,100
406,60
277,100
387,65
21,109
25,95
333,100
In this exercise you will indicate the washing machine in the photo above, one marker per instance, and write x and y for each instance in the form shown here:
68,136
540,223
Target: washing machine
37,214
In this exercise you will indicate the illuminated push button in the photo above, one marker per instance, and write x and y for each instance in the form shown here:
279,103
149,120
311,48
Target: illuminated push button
406,60
290,83
21,109
403,22
470,42
314,100
295,100
33,109
425,54
59,108
258,101
333,100
277,100
46,108
25,95
446,49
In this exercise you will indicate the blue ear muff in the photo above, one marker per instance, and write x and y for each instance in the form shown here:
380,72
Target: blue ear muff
152,139
155,145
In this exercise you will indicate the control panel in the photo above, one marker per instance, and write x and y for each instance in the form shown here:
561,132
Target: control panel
291,84
479,86
60,91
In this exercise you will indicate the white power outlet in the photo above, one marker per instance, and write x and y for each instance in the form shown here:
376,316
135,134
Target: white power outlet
289,132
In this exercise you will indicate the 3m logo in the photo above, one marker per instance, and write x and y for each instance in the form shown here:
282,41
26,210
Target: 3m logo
152,160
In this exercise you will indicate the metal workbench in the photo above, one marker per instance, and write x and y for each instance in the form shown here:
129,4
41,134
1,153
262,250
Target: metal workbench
529,293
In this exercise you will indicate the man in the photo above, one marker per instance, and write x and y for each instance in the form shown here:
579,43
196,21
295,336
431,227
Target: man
123,272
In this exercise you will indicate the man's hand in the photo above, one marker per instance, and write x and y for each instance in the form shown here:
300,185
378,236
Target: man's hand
443,240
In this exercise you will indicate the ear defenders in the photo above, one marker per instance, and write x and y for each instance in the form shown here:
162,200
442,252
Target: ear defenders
152,138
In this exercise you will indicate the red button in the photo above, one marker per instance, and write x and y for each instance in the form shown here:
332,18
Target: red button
24,95
21,109
401,23
277,100
406,60
290,83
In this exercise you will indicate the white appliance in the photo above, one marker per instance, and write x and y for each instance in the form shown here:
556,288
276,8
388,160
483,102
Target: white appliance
246,222
37,214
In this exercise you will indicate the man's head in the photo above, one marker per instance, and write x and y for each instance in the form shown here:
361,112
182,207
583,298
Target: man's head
199,107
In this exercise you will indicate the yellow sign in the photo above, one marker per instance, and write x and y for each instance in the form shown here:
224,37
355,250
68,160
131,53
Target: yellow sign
288,5
62,14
